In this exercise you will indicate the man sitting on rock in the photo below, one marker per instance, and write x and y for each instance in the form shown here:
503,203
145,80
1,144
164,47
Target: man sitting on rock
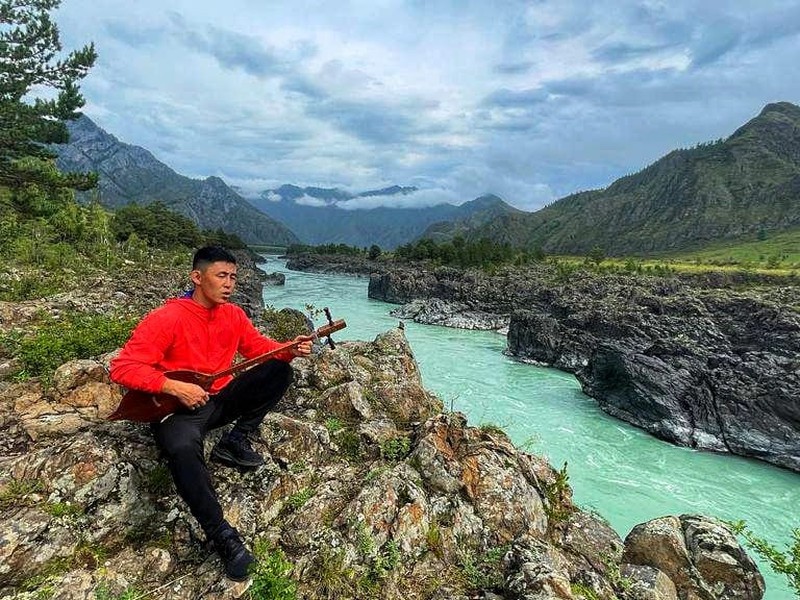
201,332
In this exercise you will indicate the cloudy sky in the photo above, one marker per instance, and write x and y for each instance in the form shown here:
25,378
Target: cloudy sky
530,100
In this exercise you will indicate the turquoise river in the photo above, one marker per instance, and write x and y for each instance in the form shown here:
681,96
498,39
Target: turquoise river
618,471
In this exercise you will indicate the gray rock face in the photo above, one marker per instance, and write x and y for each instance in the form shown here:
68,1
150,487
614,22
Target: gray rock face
703,366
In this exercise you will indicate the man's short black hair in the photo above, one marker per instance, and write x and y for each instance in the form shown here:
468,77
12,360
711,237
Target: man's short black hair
211,254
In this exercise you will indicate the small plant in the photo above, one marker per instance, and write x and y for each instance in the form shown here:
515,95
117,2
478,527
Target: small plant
482,571
333,425
349,443
335,580
42,584
158,480
104,592
63,509
16,492
556,506
785,563
298,499
366,544
581,590
433,539
395,448
492,429
385,561
613,573
271,575
90,555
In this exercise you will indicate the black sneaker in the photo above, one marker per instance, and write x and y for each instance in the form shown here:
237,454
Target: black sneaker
236,558
235,449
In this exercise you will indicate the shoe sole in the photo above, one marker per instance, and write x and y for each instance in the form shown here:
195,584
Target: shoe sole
229,459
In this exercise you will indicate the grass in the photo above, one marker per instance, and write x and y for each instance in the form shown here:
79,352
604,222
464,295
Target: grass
780,251
774,254
271,575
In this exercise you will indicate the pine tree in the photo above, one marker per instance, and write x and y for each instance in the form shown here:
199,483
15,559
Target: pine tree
30,68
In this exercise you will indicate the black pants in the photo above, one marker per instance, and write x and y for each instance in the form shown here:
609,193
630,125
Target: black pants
246,400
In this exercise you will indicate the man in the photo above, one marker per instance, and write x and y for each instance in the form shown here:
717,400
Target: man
202,331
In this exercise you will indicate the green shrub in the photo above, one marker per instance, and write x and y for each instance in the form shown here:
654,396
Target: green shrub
395,448
284,324
271,575
784,563
79,335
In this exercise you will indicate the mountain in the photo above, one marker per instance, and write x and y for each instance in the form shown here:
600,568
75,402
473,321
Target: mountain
320,216
482,211
131,174
746,184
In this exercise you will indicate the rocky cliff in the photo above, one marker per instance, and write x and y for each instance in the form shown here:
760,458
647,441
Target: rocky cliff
698,362
370,491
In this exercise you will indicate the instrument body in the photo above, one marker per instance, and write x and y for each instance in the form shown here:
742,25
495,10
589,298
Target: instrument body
147,407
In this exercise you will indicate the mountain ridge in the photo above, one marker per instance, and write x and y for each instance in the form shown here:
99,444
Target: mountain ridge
748,183
323,218
129,173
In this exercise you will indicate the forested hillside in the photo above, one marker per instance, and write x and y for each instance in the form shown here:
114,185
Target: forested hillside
130,174
746,184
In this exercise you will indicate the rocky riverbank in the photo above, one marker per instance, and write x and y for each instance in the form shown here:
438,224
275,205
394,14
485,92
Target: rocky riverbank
340,264
370,491
702,361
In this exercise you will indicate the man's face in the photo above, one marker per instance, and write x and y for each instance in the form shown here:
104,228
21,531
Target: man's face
214,284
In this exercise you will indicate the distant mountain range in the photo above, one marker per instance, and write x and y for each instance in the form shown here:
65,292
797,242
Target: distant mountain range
746,184
319,215
131,174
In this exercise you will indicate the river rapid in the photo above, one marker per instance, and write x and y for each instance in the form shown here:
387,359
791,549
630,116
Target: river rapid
622,473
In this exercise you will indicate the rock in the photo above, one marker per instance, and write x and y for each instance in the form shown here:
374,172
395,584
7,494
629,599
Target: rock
333,263
698,554
648,583
275,279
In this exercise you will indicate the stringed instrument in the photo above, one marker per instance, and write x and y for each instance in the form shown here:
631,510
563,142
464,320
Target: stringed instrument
147,407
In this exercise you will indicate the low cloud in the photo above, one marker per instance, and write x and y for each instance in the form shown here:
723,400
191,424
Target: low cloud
310,201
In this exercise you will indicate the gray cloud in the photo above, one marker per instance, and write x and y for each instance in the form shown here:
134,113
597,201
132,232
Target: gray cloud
529,100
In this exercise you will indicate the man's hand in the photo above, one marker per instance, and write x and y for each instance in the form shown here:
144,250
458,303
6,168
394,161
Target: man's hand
304,347
190,395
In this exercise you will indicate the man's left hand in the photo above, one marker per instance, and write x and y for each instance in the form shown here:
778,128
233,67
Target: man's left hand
304,347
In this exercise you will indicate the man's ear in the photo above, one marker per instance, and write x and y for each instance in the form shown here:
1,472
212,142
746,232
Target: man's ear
196,276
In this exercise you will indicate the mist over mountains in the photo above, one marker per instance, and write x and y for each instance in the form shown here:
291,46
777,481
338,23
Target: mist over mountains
322,216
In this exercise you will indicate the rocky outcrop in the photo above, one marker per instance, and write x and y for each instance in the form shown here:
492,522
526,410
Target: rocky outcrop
699,362
276,279
342,264
370,490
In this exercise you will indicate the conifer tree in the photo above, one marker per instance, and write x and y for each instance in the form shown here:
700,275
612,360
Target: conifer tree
38,91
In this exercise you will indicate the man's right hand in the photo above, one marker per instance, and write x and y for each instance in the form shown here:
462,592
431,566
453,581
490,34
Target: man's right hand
190,395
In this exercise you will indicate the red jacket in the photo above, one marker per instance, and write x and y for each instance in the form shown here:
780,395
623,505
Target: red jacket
184,335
